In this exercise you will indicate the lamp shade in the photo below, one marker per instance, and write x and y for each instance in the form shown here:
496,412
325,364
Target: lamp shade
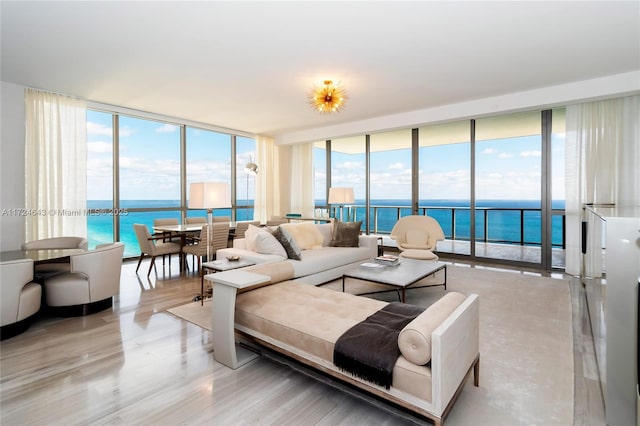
251,168
209,195
341,195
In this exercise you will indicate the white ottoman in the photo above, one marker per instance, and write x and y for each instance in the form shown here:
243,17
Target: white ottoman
419,254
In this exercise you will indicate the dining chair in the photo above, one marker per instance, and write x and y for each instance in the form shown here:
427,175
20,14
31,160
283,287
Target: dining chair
195,219
219,238
91,283
167,235
47,269
153,246
241,228
20,297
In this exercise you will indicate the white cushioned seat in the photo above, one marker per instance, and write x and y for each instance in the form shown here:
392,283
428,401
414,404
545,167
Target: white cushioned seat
19,297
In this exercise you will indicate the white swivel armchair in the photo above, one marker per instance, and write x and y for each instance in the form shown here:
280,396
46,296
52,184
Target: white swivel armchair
48,269
417,236
20,297
90,285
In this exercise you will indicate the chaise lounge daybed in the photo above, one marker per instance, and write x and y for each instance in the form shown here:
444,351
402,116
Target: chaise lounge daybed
439,348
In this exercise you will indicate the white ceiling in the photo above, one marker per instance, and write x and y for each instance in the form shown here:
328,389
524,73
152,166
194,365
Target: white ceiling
250,65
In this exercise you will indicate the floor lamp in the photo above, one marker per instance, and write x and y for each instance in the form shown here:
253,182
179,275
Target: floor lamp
341,196
209,196
250,168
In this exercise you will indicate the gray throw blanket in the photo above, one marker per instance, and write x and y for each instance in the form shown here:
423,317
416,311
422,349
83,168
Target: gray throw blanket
369,349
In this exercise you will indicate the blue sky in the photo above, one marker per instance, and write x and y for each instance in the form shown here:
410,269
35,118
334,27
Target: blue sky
150,158
150,166
505,169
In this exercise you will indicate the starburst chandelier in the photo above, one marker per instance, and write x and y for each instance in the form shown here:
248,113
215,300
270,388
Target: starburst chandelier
328,98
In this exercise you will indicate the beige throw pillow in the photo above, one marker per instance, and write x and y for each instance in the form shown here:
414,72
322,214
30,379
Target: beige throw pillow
307,236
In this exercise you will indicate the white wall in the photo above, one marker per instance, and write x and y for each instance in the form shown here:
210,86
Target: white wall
12,172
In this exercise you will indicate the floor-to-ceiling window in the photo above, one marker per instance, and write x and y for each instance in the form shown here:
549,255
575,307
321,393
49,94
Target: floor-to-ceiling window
390,179
445,181
508,151
245,177
348,169
99,177
208,160
557,188
149,174
505,171
152,163
320,178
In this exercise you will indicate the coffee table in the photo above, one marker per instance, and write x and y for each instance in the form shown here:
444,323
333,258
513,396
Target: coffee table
219,266
401,276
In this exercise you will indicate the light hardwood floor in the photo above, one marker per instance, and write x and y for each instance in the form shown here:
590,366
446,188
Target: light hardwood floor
138,364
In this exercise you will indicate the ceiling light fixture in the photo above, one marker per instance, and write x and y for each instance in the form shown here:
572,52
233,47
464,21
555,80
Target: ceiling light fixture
328,98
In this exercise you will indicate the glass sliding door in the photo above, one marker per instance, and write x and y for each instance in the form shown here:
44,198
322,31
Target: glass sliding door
444,157
348,169
508,187
390,179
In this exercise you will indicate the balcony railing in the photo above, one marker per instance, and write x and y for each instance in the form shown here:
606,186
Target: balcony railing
493,224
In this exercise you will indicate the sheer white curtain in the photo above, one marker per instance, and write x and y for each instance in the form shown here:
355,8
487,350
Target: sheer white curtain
601,163
55,165
302,179
267,195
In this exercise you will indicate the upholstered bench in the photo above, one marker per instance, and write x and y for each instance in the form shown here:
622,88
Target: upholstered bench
438,348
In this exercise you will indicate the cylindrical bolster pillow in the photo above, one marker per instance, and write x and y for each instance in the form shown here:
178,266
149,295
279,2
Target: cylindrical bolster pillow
414,340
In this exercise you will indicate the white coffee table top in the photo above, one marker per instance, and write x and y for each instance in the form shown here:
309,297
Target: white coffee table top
406,273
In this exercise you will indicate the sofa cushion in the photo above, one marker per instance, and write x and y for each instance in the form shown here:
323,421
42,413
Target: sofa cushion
288,242
266,243
414,340
316,261
346,234
306,234
250,236
326,229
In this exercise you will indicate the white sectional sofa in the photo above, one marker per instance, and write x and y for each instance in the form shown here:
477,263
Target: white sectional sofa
319,262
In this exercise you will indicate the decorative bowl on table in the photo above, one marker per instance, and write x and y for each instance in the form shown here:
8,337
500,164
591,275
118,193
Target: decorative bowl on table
233,258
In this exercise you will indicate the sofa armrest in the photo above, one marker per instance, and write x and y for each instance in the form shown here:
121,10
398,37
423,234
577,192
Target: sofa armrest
455,346
249,255
240,243
371,242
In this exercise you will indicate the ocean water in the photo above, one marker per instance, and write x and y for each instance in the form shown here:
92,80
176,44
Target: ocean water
503,219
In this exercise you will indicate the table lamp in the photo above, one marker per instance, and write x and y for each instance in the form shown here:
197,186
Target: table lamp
341,196
209,196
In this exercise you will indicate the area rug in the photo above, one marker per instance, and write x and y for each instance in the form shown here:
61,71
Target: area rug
526,344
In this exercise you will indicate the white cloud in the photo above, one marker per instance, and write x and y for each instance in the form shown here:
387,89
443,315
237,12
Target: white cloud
530,154
495,175
489,151
504,155
126,131
98,129
99,147
396,166
166,128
